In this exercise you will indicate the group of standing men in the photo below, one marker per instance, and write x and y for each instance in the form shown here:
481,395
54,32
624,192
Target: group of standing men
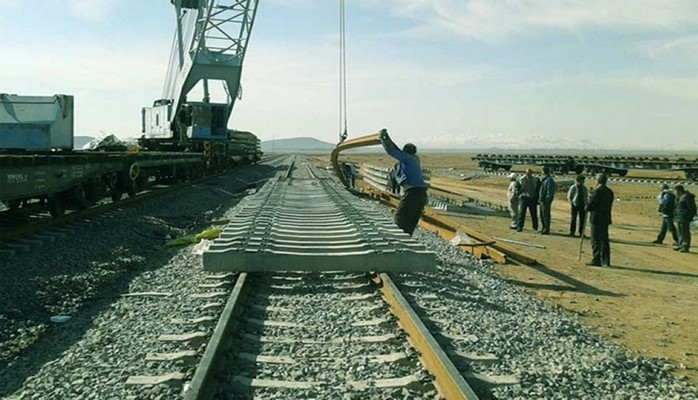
529,193
676,206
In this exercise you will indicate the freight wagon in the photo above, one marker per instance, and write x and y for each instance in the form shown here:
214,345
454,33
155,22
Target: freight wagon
38,162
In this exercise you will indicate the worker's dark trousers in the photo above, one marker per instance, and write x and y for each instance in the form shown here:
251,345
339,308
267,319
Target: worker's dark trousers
527,203
684,231
667,224
410,209
578,212
545,216
600,246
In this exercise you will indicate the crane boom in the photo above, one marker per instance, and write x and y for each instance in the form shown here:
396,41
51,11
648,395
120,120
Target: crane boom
208,48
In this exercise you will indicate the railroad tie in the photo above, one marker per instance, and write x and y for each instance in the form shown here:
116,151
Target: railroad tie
310,225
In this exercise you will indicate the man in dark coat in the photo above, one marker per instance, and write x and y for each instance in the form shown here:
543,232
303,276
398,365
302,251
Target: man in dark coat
600,218
546,195
409,177
685,211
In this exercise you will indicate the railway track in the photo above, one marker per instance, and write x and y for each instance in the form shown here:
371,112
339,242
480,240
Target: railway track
309,334
179,329
317,334
322,335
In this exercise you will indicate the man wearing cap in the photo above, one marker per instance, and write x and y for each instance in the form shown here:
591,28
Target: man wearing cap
578,196
527,200
600,218
667,203
408,174
513,195
545,199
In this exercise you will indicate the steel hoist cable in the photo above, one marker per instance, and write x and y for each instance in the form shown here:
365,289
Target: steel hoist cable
343,131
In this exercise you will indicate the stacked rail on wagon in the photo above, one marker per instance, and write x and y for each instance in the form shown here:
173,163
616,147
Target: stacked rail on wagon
612,165
38,163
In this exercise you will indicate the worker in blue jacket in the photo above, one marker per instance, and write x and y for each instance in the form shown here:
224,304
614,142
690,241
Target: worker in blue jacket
409,176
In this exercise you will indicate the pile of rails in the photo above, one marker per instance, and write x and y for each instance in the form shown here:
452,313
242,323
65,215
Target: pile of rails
612,165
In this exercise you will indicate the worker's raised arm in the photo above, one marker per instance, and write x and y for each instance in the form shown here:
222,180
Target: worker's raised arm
390,146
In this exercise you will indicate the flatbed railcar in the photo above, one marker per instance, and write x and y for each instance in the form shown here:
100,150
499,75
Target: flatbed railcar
39,165
612,165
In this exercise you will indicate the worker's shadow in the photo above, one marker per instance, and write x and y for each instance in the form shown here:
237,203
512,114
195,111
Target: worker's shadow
571,284
654,271
632,242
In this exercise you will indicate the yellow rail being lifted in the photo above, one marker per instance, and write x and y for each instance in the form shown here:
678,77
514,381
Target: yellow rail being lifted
499,252
363,141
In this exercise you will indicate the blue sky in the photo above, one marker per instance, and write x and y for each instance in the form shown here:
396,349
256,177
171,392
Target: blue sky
441,73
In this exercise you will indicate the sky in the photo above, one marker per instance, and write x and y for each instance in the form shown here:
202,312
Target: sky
596,74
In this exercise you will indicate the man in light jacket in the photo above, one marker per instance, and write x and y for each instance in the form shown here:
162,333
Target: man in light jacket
667,203
578,196
513,193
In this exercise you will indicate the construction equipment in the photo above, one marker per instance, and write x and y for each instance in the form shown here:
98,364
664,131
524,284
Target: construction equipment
208,49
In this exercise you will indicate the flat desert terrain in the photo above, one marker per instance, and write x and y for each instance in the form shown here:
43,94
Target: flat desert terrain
647,301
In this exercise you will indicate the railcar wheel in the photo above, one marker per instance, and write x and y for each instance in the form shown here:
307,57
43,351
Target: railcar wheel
132,190
133,171
80,197
142,182
13,204
56,206
116,194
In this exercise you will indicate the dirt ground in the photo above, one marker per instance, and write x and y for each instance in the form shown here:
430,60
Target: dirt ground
647,301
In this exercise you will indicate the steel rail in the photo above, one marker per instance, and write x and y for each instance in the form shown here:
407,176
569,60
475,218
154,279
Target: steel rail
484,245
447,379
363,141
202,385
289,170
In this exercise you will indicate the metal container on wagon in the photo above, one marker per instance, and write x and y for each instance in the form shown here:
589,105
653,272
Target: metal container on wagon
36,123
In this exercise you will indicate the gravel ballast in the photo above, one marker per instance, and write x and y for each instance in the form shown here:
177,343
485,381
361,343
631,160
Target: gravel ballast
104,342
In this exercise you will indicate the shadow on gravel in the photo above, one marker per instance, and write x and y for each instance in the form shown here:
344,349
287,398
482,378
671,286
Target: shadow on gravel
85,279
455,290
573,285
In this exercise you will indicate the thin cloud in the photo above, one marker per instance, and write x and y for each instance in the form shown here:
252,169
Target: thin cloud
498,19
679,87
302,4
684,48
92,10
82,67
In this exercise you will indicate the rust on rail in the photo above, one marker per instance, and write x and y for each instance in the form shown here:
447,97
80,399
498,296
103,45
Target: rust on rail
447,379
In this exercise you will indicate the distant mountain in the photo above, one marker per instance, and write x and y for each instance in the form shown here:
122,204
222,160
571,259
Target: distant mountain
513,143
79,141
302,144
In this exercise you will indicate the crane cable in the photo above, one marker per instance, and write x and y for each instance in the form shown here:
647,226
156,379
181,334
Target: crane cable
342,74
